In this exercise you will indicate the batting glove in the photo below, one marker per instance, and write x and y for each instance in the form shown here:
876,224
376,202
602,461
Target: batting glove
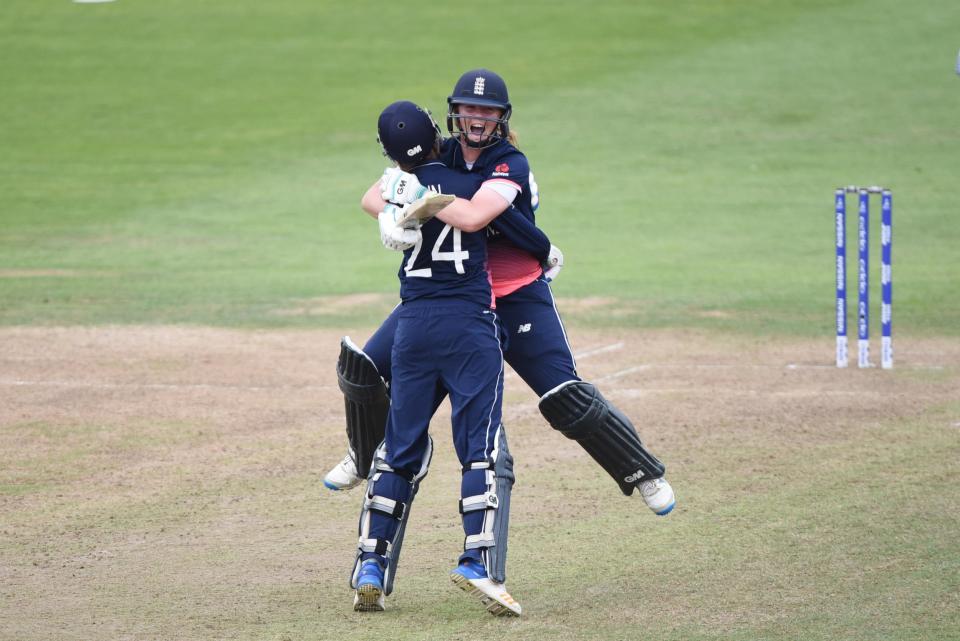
553,264
397,212
392,236
400,187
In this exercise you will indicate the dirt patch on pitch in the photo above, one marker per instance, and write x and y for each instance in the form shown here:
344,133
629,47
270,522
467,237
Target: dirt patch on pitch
166,482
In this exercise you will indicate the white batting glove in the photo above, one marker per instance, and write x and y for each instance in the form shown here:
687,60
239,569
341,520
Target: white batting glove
553,264
400,187
394,237
397,212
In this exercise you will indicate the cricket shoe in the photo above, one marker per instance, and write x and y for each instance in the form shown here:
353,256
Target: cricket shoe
343,475
658,495
471,577
369,595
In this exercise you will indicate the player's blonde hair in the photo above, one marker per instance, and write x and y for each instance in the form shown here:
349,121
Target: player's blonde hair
512,139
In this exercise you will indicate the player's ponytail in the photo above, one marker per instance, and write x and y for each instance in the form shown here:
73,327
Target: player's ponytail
512,139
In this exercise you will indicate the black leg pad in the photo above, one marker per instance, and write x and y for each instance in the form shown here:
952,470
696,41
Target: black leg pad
366,402
580,412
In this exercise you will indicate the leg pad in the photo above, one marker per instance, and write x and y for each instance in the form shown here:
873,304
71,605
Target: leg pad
366,402
580,412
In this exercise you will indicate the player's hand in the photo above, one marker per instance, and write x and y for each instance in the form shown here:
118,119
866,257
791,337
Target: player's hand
391,235
553,264
400,187
397,212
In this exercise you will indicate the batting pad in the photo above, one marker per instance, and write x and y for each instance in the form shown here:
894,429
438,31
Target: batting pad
390,507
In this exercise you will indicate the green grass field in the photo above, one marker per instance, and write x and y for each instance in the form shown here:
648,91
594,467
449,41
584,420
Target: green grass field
201,164
165,162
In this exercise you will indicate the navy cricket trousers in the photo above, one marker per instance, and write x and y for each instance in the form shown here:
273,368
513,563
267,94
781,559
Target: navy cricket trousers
455,347
535,341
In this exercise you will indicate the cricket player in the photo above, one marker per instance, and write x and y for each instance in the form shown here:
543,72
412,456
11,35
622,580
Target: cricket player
521,265
447,337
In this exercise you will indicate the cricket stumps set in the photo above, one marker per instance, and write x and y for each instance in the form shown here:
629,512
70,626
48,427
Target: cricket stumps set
863,274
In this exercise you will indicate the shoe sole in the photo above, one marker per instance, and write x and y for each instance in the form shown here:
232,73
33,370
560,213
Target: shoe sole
665,511
369,599
493,606
340,488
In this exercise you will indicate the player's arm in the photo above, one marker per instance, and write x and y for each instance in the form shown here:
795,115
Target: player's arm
491,200
476,213
372,201
521,231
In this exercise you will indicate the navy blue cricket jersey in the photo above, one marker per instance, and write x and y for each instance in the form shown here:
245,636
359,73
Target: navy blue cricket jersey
499,162
446,262
515,253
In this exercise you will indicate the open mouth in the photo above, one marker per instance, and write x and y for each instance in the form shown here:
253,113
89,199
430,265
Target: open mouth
477,129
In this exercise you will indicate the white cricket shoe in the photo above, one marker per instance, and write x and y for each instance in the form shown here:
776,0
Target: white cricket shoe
343,475
658,495
471,577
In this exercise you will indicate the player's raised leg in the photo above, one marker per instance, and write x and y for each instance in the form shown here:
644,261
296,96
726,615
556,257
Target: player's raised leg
360,375
364,378
366,404
580,412
539,352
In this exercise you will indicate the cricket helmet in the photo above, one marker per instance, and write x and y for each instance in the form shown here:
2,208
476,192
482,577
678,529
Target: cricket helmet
407,132
485,88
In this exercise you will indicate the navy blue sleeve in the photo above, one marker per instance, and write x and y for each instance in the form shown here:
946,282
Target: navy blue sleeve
511,167
520,231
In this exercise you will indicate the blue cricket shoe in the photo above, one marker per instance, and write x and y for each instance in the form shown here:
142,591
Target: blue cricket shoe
369,595
471,577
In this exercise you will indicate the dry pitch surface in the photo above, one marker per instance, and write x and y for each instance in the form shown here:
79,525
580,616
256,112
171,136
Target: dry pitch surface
166,483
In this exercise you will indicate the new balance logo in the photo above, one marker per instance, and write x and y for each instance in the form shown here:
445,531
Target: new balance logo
478,85
526,327
633,478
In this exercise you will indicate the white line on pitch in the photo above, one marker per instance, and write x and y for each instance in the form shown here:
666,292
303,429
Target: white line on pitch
633,392
598,350
623,372
918,366
790,366
582,355
198,386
